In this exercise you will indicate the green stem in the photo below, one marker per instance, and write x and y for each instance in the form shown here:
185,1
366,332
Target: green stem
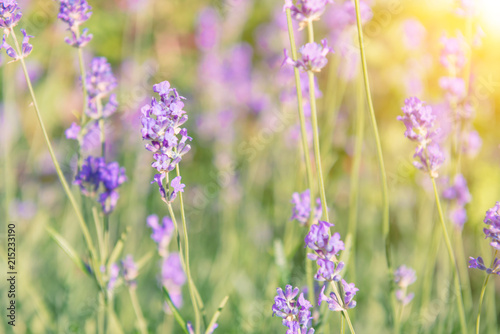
305,148
344,311
83,76
383,176
99,229
138,312
481,297
60,174
456,279
315,127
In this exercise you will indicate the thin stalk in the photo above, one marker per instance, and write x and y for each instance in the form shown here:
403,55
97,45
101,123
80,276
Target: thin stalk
305,148
98,228
456,279
344,312
481,297
138,312
342,325
383,176
315,127
192,288
356,167
60,174
462,267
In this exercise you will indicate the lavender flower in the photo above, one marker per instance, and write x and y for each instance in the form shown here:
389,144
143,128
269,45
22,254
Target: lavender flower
173,278
26,47
419,121
112,176
492,232
130,271
162,233
325,248
295,313
404,277
453,54
313,57
459,194
89,176
162,121
340,304
74,13
100,82
10,13
93,173
305,11
112,276
177,187
302,207
479,264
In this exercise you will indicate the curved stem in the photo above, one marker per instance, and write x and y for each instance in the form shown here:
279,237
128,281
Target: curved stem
456,280
305,148
60,174
138,312
481,297
383,176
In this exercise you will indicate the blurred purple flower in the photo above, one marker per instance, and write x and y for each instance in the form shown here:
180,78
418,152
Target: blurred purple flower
112,176
305,11
26,47
173,278
479,264
162,233
458,191
454,88
130,271
100,81
453,53
414,34
302,207
404,277
294,311
313,57
208,29
73,131
471,143
89,176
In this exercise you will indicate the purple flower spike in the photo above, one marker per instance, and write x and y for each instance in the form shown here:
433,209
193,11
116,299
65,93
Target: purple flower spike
162,233
74,13
335,303
458,193
177,187
479,264
404,277
10,13
114,273
318,239
100,80
305,11
161,126
295,313
313,57
173,278
26,47
89,176
130,271
73,131
302,207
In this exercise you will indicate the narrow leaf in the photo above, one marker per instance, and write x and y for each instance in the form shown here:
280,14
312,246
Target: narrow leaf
68,250
176,313
217,314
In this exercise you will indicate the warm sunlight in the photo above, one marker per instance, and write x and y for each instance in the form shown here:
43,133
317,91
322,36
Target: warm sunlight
489,14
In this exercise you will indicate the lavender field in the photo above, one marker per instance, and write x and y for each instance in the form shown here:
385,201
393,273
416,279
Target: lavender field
250,166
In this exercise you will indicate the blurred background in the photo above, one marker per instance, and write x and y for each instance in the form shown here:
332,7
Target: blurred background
225,57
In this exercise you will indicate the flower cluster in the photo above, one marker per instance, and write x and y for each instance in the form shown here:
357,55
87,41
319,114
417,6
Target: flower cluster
492,232
100,82
459,194
26,47
162,233
453,55
74,13
312,57
111,275
419,120
95,173
129,271
326,249
161,126
337,304
173,278
404,277
10,13
305,11
295,313
301,210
